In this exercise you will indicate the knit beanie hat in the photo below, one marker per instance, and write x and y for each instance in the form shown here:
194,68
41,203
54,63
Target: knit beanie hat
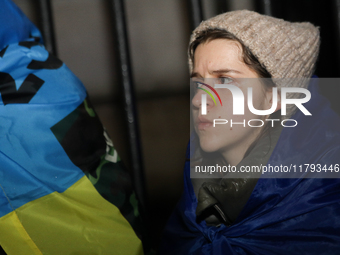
285,49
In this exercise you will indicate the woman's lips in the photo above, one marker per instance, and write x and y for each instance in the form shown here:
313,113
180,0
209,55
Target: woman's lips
203,123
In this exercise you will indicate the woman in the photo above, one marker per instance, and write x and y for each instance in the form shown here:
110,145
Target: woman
288,206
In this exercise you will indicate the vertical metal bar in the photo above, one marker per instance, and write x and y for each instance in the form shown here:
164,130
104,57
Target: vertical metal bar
196,12
264,7
123,56
336,11
267,7
333,90
223,6
47,27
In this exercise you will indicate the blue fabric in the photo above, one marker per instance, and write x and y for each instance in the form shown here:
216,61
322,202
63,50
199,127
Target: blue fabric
50,135
282,216
37,91
15,26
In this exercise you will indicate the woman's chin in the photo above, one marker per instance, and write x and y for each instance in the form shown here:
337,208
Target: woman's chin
208,146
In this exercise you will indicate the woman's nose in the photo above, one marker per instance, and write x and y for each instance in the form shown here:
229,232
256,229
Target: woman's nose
202,97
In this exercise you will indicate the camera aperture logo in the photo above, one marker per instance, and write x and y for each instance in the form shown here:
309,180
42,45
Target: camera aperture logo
204,105
238,103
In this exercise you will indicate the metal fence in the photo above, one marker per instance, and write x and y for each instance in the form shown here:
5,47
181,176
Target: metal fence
325,14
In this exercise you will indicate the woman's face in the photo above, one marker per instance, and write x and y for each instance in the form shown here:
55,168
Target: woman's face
220,61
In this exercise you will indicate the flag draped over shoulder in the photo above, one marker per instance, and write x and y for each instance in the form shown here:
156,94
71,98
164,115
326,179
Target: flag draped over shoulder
55,156
283,215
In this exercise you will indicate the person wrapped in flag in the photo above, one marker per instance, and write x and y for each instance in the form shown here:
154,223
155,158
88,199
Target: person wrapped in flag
292,206
63,189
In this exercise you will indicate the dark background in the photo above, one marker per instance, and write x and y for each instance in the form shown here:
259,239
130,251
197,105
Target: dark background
158,32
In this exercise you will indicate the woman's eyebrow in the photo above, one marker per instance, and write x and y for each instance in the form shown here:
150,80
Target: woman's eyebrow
195,75
220,71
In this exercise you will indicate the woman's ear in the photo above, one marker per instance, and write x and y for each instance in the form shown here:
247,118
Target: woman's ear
270,98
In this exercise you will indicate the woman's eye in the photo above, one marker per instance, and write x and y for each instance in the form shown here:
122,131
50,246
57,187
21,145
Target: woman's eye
225,80
197,84
200,84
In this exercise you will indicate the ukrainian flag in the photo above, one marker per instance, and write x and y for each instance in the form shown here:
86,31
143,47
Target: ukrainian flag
50,137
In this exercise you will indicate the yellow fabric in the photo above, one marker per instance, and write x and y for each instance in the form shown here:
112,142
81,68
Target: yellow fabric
77,221
14,239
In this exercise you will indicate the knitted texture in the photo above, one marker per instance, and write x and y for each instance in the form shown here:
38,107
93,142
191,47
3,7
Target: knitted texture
285,49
